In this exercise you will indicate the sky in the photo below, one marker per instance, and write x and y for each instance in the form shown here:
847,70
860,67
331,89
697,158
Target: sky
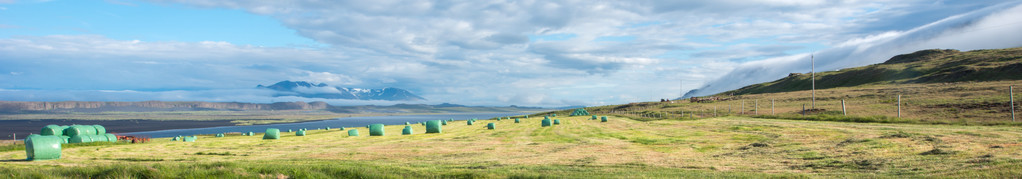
491,53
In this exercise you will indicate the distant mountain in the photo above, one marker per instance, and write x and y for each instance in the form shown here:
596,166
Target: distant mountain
925,66
322,90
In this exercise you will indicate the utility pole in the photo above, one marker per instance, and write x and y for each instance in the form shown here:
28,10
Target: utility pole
1011,93
813,78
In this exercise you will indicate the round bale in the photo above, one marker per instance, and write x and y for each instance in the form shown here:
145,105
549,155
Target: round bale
407,130
80,139
376,130
300,133
557,122
111,137
517,120
38,147
491,126
53,130
434,126
272,133
220,135
603,119
469,122
99,129
353,132
546,122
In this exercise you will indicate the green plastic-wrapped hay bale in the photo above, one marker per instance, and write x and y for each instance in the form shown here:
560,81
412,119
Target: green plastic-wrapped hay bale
190,138
444,122
434,126
53,130
64,139
327,128
546,117
517,120
74,130
407,123
111,137
491,126
469,122
80,139
99,129
220,135
376,130
289,130
38,147
407,130
526,116
98,138
594,117
251,133
172,139
353,132
557,122
604,119
553,115
498,118
546,122
342,128
300,133
272,133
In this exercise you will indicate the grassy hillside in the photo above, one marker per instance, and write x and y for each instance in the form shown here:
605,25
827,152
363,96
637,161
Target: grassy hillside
961,103
727,147
926,66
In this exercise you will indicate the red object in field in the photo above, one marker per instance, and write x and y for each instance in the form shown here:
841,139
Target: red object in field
134,139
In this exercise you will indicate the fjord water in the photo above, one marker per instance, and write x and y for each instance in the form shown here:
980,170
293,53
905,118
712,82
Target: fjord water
333,124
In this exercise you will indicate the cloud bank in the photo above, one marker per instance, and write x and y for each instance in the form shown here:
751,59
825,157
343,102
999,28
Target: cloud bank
534,53
989,28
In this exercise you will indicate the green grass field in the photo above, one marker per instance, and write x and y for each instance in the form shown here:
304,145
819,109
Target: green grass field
726,147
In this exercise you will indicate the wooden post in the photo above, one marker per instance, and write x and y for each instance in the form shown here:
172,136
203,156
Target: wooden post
729,108
1011,94
757,107
714,111
803,110
771,106
743,108
843,111
899,106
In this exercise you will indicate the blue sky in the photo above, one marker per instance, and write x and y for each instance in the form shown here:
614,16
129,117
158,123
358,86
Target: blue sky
532,53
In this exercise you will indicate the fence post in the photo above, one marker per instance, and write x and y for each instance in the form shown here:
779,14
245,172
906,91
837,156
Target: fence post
757,107
743,108
899,106
771,106
1011,94
843,111
714,111
803,110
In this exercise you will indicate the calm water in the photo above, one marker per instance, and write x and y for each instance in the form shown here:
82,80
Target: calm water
333,123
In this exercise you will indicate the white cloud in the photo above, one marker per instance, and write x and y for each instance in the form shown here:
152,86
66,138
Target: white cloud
982,29
480,52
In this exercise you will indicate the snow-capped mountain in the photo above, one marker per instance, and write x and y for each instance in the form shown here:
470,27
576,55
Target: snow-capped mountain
322,90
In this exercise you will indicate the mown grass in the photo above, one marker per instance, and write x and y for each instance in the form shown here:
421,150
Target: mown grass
726,147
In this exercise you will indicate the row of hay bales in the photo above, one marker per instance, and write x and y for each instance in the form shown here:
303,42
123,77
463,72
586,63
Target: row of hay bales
46,144
432,126
78,133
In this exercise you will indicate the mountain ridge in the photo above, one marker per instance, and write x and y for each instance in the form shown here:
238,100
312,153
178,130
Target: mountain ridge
322,90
